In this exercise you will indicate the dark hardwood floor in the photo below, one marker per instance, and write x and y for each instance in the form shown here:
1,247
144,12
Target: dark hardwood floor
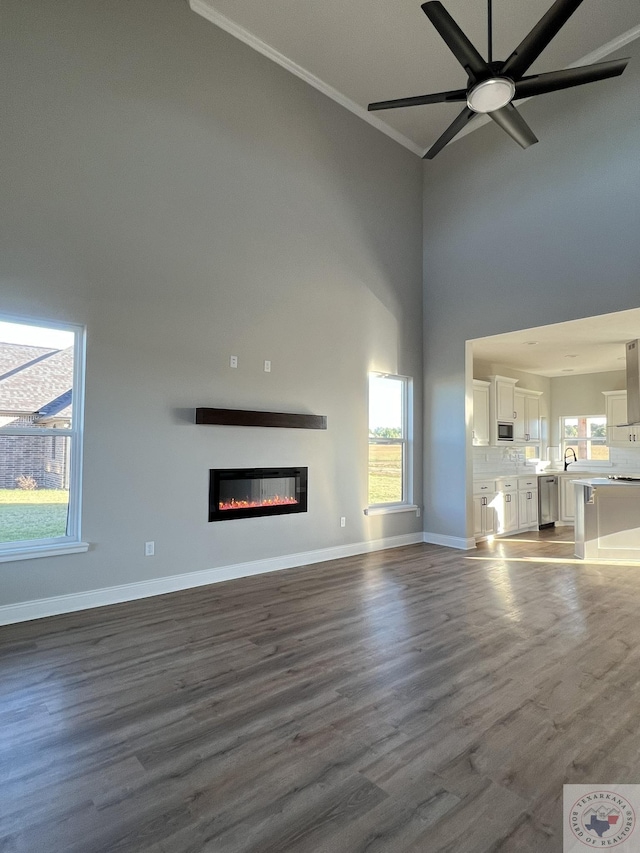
415,700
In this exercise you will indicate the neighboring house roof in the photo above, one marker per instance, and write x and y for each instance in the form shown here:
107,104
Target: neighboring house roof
35,380
56,409
15,356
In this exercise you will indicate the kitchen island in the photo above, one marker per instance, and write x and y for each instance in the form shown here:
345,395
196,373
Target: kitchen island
607,523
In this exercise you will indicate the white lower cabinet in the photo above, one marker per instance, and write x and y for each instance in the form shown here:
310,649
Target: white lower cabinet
567,494
485,514
508,517
510,514
484,517
505,506
567,510
528,508
527,502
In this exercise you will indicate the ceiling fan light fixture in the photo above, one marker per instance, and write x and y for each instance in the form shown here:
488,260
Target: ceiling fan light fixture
501,82
491,95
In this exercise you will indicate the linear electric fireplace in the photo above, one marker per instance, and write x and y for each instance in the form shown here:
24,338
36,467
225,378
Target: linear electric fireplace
250,492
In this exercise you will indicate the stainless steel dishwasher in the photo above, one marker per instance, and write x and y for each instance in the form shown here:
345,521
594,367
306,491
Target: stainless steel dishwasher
547,501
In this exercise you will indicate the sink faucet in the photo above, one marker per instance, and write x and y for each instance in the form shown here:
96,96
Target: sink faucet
566,461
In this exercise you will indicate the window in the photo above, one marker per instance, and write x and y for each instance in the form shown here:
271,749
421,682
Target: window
41,411
586,436
389,446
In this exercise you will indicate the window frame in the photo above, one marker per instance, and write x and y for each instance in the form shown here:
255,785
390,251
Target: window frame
406,441
566,441
71,542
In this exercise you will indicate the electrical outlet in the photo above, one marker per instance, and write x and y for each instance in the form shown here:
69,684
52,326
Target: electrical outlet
149,549
233,361
343,521
267,366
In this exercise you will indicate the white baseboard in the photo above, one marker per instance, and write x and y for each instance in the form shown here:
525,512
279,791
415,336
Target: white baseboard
54,606
458,542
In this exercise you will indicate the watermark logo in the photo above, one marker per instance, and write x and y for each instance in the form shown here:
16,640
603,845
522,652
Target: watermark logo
601,818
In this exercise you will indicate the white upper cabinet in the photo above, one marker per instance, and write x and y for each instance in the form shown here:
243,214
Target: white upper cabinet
501,405
527,409
616,409
519,427
517,410
480,434
503,392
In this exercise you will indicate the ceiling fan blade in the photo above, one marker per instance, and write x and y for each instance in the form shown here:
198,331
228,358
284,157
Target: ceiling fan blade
456,40
453,96
453,130
512,122
540,84
544,31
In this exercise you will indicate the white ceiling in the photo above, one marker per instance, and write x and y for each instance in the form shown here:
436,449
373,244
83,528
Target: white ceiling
592,345
372,50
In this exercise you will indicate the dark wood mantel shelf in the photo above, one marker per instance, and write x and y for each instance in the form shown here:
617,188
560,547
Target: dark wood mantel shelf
242,417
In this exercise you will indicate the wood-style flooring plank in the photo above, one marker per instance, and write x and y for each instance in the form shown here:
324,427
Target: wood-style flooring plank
417,700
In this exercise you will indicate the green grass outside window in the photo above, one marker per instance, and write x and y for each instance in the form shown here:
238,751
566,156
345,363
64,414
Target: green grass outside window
35,514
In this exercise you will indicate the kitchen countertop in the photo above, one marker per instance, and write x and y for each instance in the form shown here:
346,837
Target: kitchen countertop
604,481
500,475
560,472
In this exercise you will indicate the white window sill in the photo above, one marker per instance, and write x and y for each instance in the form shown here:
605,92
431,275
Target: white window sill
391,508
30,552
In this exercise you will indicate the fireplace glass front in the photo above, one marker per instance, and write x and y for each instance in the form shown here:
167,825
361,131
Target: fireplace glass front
251,492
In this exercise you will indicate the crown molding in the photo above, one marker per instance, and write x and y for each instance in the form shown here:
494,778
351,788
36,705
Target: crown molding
204,8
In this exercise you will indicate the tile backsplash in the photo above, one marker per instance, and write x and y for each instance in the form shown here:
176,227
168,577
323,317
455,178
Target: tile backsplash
625,458
510,460
494,460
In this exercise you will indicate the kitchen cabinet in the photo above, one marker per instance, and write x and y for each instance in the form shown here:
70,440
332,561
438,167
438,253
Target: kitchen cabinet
503,390
508,508
505,506
527,409
616,410
510,514
483,518
519,427
532,416
485,514
480,430
501,405
528,507
567,499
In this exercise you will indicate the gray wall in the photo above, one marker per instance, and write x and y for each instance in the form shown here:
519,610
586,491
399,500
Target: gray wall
187,199
516,239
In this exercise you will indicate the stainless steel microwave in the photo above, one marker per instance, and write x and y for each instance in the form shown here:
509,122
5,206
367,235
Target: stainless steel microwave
505,431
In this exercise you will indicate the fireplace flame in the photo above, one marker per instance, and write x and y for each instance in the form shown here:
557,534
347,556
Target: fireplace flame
275,500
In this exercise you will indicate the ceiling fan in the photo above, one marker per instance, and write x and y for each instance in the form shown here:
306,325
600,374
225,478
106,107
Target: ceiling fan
493,86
